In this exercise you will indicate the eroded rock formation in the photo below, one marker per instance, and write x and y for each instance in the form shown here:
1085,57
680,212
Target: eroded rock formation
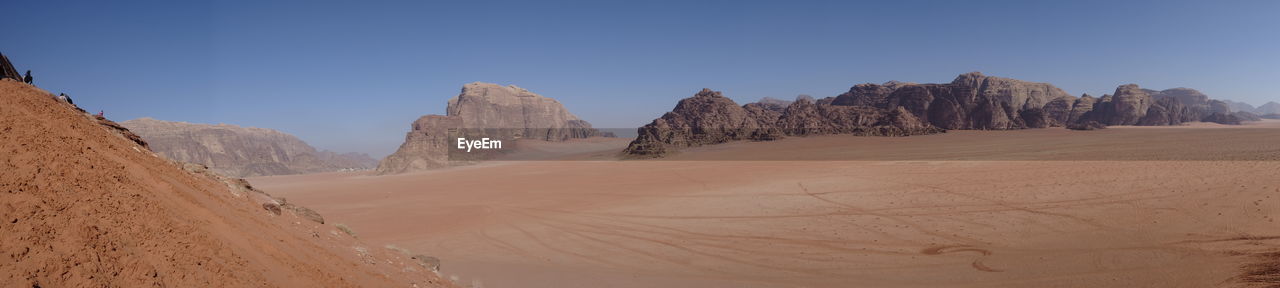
710,118
516,110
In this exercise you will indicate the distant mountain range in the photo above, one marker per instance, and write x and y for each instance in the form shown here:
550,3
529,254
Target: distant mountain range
241,151
1266,109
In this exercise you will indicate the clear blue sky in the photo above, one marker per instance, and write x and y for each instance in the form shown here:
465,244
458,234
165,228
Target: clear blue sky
352,75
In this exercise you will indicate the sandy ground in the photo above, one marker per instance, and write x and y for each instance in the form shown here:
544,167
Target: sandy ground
1126,207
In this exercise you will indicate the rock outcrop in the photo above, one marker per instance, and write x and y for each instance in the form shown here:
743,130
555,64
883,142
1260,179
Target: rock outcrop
1222,118
971,101
1239,106
1080,107
501,112
1246,116
1132,105
241,151
710,118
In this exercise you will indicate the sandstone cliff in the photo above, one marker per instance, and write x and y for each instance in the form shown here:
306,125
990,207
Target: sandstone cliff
502,112
241,151
971,101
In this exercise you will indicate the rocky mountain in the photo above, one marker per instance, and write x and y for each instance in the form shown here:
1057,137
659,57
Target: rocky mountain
241,151
501,112
1267,109
970,101
710,118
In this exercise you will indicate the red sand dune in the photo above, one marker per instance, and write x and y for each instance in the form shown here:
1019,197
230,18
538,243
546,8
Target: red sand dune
81,206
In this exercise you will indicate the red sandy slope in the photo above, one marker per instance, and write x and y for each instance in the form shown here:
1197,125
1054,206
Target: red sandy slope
82,206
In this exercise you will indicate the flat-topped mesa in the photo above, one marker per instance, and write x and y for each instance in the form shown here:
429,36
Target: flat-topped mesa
491,110
518,111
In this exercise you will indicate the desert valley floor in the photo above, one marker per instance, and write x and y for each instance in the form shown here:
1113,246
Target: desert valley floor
1187,206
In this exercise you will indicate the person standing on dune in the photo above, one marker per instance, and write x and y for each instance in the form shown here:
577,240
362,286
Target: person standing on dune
27,78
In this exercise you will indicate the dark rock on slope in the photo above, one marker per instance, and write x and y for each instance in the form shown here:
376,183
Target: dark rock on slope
6,69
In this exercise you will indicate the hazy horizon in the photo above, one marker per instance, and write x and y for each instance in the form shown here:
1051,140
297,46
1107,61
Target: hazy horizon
351,77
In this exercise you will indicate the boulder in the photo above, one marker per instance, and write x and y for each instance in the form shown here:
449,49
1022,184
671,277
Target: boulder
1086,125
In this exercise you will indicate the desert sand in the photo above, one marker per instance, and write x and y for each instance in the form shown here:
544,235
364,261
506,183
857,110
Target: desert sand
1185,206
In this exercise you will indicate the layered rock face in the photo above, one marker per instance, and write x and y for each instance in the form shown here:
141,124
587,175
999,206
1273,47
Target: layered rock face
241,151
506,112
710,118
